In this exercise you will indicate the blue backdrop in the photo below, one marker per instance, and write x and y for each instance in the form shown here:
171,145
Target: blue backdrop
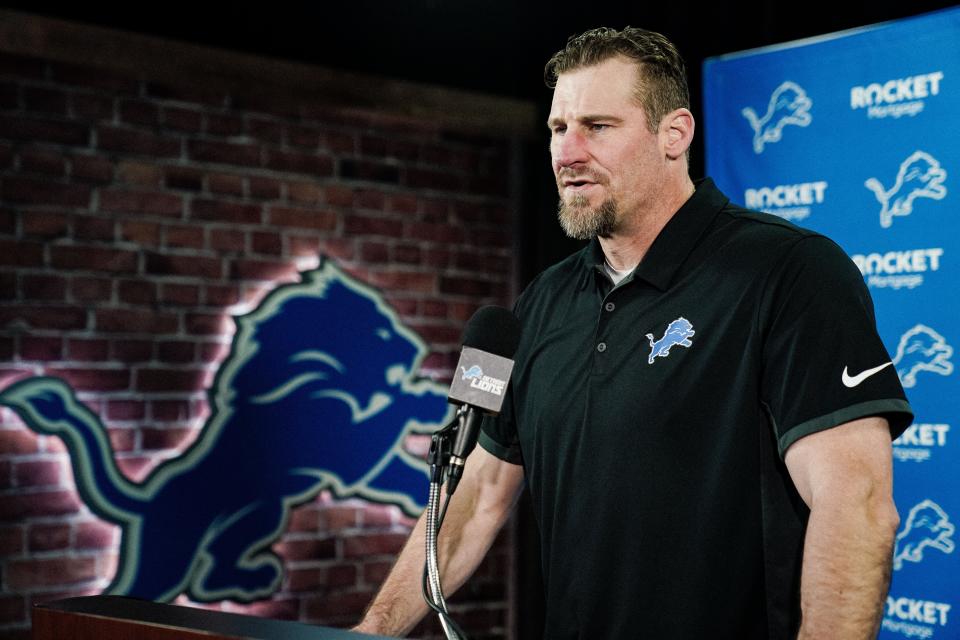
857,135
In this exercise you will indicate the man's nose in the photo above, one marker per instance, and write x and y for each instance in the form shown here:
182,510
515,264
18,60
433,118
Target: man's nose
568,149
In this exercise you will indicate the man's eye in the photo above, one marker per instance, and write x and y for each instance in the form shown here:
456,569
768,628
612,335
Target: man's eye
559,130
598,127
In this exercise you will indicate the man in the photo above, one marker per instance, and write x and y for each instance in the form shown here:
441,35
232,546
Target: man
701,406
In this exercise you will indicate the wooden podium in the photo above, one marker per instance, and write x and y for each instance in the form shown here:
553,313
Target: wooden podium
119,618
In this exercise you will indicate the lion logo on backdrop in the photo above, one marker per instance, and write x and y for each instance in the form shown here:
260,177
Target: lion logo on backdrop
789,105
927,527
922,349
318,393
920,176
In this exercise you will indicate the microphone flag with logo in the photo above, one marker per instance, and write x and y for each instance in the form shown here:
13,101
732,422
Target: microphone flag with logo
490,339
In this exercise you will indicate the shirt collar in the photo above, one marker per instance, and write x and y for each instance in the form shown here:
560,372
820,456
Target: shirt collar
674,243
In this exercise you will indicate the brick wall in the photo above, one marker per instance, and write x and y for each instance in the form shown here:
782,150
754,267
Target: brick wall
137,215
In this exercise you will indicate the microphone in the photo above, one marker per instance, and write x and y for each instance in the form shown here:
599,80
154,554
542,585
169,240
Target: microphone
490,339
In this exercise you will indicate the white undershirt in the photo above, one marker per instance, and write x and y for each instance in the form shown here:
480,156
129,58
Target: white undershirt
615,275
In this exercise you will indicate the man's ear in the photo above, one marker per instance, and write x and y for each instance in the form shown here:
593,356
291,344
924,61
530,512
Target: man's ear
677,129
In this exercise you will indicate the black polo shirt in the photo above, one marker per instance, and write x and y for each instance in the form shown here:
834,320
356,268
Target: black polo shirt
651,419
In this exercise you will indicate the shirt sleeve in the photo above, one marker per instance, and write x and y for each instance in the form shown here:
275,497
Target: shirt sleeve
823,361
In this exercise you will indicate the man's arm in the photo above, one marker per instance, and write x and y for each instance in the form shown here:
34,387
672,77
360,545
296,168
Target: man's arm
845,476
486,495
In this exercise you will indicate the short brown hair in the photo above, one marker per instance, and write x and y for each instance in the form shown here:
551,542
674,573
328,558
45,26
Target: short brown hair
662,75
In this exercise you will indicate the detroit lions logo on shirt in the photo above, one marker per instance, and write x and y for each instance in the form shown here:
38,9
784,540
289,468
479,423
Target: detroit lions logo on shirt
678,332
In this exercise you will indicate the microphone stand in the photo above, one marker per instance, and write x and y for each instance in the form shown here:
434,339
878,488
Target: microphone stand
439,460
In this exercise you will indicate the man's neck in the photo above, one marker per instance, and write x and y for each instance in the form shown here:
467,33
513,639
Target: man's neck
625,249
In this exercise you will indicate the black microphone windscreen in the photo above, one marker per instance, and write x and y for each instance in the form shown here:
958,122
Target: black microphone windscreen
494,330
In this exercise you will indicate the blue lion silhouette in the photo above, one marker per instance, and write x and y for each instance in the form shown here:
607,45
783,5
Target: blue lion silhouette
678,332
927,526
319,392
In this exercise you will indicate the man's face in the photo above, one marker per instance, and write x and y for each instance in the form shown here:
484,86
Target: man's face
606,161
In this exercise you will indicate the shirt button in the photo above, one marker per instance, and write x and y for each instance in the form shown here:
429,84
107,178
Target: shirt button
602,347
609,306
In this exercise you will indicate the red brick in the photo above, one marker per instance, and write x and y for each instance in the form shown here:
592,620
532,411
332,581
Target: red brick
27,574
41,349
444,233
44,192
247,155
45,162
89,258
139,173
437,334
46,224
303,218
141,233
95,535
92,106
213,352
224,124
304,136
308,550
43,287
47,317
136,141
12,540
344,143
20,253
262,270
404,281
49,537
130,351
228,240
134,321
91,169
305,192
361,546
262,129
466,287
170,410
337,604
93,228
149,202
184,178
205,324
266,242
176,351
295,162
32,129
183,236
162,439
136,467
180,294
407,254
18,507
369,225
374,252
369,199
37,473
139,112
13,610
340,575
123,439
264,188
125,410
152,379
340,248
338,195
225,183
183,265
137,292
17,442
88,289
87,350
221,295
96,77
303,245
224,211
182,119
89,379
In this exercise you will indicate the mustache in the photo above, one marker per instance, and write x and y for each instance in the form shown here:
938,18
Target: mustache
587,173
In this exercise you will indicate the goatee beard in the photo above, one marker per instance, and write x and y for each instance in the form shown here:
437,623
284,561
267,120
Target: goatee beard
582,223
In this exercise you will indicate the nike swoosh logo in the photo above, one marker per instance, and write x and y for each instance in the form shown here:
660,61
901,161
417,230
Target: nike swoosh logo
851,381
